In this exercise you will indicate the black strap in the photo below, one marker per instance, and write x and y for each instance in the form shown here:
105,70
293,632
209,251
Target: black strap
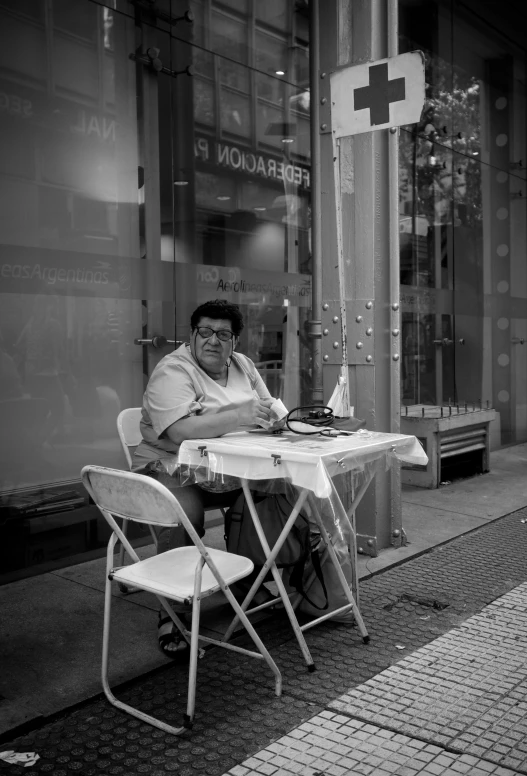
296,580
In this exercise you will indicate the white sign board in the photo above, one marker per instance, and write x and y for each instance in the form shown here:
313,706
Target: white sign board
378,95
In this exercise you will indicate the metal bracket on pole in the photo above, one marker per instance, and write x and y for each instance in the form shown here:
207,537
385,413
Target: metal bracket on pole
324,106
331,332
359,327
361,334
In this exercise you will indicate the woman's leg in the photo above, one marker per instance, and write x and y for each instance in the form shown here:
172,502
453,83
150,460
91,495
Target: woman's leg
194,501
193,504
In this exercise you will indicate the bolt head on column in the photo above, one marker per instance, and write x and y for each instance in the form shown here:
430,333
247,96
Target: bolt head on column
395,357
326,358
335,319
395,306
369,359
359,318
396,533
325,332
325,306
335,345
369,305
359,345
395,332
369,331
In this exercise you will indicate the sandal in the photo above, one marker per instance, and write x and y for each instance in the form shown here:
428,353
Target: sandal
171,642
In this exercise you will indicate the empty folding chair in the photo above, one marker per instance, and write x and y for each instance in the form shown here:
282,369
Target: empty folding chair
184,574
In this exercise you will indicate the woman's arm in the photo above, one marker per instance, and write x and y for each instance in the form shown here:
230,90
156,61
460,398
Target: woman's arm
219,423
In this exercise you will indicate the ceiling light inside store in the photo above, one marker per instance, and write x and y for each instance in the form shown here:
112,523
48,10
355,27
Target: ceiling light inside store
180,183
280,72
288,140
223,198
260,209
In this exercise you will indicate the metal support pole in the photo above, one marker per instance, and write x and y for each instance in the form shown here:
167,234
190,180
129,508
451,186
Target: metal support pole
397,533
393,161
315,325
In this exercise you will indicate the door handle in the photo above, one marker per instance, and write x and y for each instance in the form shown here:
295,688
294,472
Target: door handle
157,341
444,341
517,340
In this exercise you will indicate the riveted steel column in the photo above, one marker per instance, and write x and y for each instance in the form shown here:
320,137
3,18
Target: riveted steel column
395,281
315,325
352,32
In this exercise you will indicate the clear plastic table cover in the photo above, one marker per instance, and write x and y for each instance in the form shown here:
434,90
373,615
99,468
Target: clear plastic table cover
332,469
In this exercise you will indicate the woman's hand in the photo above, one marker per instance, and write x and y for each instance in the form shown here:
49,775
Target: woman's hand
277,425
256,411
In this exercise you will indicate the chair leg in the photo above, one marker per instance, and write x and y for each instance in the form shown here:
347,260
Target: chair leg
193,660
153,535
122,560
126,589
256,639
105,651
122,555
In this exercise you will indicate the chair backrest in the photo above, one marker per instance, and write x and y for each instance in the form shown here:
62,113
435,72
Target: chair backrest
132,496
129,432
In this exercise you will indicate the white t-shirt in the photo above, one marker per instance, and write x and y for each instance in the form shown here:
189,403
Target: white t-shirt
179,387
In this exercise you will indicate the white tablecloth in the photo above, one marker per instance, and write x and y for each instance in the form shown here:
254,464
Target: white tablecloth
307,461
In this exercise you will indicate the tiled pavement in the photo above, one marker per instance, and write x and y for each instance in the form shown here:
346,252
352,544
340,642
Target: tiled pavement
406,608
331,744
457,705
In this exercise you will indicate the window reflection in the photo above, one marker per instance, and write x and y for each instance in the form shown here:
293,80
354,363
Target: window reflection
250,206
457,217
128,198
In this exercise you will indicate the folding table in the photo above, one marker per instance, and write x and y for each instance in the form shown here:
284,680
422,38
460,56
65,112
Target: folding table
309,463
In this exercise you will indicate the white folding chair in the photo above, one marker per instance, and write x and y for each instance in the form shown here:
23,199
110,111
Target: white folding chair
129,432
184,574
130,436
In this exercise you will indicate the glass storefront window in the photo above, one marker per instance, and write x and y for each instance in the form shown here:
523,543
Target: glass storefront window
271,57
80,21
129,196
275,13
235,113
459,220
229,39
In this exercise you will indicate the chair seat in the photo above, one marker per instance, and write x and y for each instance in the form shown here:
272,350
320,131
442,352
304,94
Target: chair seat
171,573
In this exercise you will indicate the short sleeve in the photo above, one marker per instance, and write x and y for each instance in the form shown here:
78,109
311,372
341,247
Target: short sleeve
170,395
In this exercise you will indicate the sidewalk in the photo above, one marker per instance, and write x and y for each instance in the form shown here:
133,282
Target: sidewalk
457,705
53,639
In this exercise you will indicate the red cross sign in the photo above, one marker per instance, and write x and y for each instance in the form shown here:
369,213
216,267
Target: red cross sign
377,95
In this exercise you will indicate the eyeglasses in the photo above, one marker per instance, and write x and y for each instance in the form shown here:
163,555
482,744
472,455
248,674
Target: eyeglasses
222,334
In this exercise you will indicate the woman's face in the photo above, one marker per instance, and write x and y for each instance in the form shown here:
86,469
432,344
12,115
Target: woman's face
212,353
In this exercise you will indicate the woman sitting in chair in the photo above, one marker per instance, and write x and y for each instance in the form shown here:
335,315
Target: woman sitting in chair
202,389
